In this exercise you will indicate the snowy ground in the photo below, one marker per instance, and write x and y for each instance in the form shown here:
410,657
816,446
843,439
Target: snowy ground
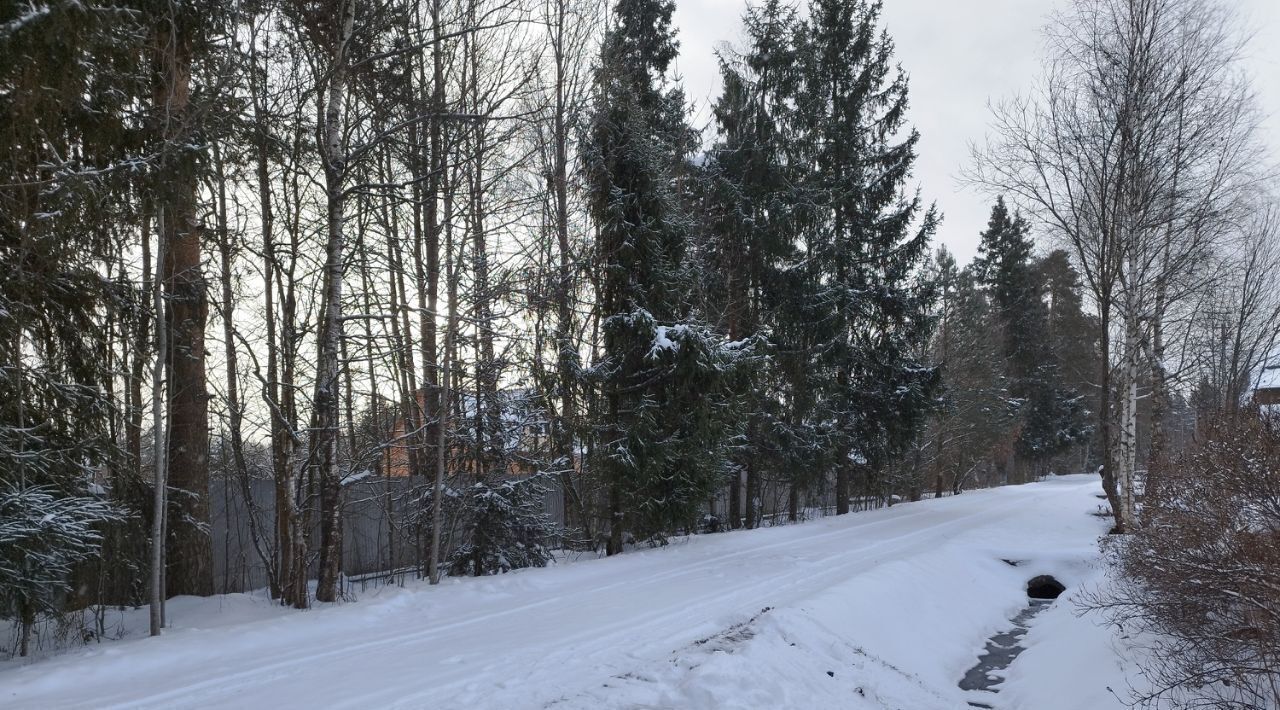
885,609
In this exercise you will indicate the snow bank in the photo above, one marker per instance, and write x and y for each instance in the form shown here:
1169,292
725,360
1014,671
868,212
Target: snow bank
1073,661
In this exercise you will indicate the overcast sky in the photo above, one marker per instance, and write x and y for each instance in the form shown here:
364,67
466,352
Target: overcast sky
960,54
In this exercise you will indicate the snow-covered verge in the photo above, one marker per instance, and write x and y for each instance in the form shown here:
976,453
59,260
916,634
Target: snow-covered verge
885,609
1070,662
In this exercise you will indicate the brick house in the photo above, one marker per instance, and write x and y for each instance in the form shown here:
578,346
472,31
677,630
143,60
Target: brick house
1267,391
523,421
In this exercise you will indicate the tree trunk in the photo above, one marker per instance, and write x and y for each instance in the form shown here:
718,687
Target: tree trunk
1128,445
916,490
429,311
326,402
737,298
190,555
437,490
27,620
842,486
733,504
402,341
159,447
235,413
489,438
279,429
294,519
412,403
446,374
133,435
1159,386
615,520
1108,471
566,351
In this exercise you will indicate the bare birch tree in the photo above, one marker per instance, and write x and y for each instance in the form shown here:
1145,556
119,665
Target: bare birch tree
1134,150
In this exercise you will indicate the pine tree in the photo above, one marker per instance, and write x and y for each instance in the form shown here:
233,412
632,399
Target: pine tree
1051,413
181,37
1072,334
664,377
1074,338
865,242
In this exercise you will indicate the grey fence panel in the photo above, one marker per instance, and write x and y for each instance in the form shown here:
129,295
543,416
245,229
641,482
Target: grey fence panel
376,534
237,561
378,537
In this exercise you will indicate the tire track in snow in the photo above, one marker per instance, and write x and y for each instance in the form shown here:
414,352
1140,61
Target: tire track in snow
605,637
413,638
555,649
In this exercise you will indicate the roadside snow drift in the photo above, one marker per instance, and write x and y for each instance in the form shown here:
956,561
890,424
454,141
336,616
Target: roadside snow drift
886,609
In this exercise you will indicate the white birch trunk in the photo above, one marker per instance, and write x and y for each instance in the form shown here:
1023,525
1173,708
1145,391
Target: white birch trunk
328,371
160,443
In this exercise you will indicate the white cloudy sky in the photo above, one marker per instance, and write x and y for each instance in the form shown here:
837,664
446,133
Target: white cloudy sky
960,54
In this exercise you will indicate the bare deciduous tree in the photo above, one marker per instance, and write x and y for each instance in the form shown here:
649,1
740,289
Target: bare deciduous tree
1135,150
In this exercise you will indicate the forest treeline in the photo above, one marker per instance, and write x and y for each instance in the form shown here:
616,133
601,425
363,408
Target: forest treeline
481,243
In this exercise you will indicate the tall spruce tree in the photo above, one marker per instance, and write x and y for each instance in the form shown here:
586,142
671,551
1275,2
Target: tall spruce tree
753,199
70,83
865,242
1051,414
664,377
1005,265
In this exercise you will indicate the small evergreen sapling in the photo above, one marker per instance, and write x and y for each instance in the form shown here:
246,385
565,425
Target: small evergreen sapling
507,527
44,534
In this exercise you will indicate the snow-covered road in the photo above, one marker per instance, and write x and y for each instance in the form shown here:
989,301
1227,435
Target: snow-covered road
879,609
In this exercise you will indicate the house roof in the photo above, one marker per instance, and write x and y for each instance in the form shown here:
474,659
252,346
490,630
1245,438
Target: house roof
1269,379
